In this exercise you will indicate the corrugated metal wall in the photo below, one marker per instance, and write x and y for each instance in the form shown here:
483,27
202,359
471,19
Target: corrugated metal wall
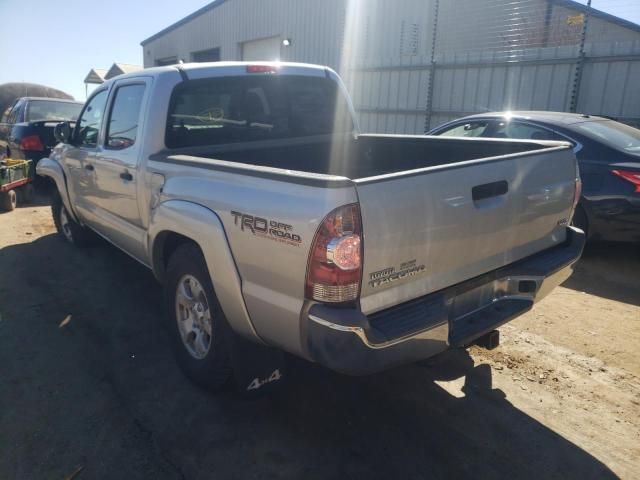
485,55
316,28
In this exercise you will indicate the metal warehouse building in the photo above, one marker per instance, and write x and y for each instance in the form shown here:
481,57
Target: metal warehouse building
413,64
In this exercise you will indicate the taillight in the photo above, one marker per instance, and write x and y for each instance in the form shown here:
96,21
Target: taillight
335,262
32,142
633,177
262,69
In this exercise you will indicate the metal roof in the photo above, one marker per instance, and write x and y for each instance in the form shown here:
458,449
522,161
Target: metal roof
121,68
188,18
95,75
571,4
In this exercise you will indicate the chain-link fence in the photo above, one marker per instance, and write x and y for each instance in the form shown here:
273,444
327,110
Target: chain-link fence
421,63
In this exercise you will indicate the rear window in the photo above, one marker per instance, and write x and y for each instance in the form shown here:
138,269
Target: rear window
250,108
615,134
49,110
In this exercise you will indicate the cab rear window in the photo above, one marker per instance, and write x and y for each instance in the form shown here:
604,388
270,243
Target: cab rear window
251,108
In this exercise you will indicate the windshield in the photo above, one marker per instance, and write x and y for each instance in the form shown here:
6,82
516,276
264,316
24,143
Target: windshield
241,109
52,110
615,134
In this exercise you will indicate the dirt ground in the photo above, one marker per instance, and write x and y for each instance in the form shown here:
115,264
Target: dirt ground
89,389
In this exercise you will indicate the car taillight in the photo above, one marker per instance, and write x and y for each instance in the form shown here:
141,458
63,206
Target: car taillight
262,69
335,262
633,177
32,142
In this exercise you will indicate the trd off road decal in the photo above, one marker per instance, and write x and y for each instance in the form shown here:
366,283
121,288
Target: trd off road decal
265,228
390,274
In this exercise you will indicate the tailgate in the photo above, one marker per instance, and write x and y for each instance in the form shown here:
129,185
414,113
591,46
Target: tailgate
432,228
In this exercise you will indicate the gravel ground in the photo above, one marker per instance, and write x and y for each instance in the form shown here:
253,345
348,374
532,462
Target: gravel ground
89,390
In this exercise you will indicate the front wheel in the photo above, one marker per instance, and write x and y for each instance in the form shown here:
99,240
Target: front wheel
66,226
196,322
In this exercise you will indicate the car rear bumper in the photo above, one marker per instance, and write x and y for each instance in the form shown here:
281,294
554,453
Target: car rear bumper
346,340
615,218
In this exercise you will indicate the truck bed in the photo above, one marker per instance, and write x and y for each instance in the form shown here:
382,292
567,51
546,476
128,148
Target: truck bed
447,208
363,156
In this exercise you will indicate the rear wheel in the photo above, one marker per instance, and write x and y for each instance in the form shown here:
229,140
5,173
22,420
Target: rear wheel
196,322
8,200
66,226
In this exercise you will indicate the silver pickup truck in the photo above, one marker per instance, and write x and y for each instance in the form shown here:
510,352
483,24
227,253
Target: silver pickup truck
267,217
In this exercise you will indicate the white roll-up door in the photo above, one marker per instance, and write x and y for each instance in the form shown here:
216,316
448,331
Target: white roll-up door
267,49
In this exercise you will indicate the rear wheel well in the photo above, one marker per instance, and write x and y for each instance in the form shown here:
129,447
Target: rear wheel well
165,245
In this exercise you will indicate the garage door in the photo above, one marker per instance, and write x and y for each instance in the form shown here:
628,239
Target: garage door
264,49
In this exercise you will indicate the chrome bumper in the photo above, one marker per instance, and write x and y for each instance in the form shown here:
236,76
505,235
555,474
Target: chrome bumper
346,340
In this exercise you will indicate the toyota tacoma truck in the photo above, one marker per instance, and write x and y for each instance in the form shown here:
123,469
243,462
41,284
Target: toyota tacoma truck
272,222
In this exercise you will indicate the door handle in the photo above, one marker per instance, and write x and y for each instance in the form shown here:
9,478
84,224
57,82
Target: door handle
126,176
89,167
488,190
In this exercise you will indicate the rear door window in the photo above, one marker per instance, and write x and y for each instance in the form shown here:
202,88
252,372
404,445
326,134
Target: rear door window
242,109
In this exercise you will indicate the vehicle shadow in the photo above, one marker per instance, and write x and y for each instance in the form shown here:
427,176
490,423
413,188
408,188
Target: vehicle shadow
90,380
609,270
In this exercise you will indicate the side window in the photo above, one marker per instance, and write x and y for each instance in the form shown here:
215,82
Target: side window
90,121
15,116
123,120
524,131
470,129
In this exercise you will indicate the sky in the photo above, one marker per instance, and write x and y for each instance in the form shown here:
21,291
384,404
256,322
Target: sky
57,42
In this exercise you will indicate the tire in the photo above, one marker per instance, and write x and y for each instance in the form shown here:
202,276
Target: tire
68,228
195,321
8,200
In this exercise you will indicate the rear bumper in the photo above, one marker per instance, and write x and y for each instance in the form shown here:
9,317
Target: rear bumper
348,341
614,218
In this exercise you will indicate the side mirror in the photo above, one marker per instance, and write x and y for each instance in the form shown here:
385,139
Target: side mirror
62,132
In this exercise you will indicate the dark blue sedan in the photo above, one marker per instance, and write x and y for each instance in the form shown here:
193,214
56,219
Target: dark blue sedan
608,154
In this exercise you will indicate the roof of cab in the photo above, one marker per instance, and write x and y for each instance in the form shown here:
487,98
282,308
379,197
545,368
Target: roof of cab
201,69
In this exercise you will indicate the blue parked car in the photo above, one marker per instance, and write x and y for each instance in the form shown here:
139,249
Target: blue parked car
608,154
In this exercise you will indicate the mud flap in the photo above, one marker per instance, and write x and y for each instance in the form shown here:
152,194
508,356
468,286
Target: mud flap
257,370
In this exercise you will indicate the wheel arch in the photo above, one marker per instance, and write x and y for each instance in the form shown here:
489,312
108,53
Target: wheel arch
53,170
175,222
